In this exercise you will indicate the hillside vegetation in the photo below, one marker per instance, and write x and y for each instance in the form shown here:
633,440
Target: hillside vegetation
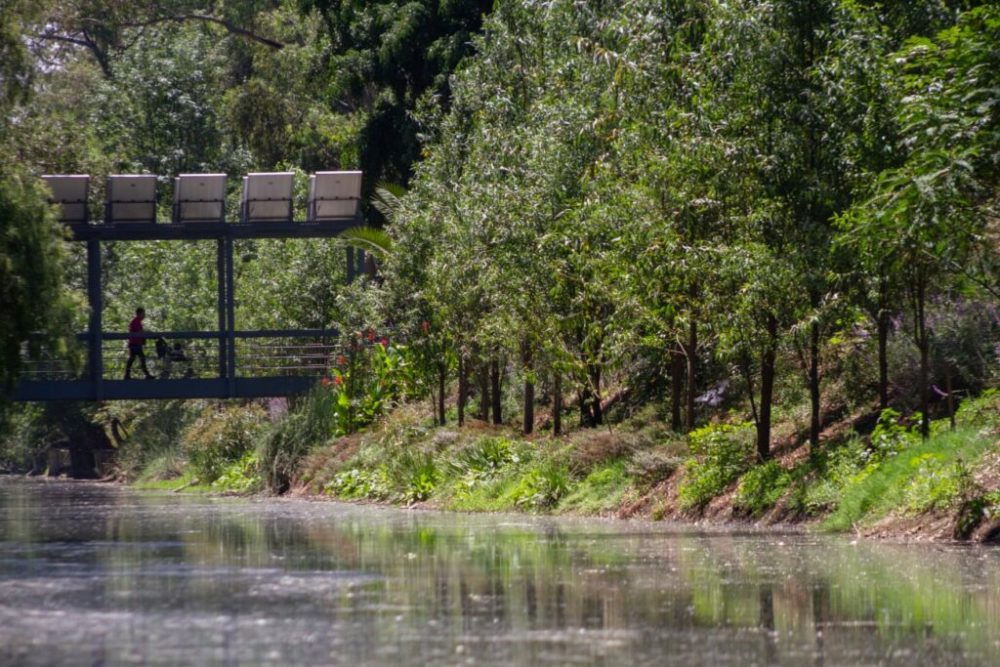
671,259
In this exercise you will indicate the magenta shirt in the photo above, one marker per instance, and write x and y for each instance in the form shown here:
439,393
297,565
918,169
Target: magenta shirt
135,326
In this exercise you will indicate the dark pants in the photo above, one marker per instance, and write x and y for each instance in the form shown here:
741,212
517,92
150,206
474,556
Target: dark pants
133,352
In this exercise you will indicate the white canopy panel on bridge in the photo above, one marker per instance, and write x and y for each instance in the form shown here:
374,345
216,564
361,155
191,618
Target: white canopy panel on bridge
199,197
334,195
70,192
131,198
267,197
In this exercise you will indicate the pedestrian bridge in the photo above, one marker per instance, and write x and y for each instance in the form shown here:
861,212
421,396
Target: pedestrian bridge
227,362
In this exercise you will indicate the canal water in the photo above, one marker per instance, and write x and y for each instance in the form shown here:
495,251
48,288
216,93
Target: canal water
96,574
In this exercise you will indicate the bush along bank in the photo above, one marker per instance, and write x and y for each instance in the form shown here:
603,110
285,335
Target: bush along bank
362,435
891,482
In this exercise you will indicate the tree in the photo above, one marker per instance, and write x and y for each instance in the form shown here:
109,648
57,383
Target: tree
929,215
390,59
36,308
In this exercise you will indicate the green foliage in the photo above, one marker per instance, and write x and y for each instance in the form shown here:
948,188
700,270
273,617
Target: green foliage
761,488
648,467
388,57
600,491
721,454
981,412
24,439
890,437
487,457
242,476
419,476
484,471
933,474
310,423
35,305
360,484
151,433
369,379
220,437
836,468
540,488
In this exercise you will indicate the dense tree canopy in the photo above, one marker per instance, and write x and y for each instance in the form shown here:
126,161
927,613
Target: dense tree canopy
712,205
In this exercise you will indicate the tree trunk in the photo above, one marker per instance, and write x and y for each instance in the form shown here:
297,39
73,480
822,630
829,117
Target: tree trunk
923,344
583,398
597,415
883,359
557,404
495,391
951,396
529,390
463,382
692,385
484,393
766,391
676,384
814,396
442,381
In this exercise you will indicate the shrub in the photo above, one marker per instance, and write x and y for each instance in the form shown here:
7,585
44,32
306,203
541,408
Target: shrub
311,422
836,468
220,437
980,412
415,476
486,457
541,487
242,476
359,484
648,467
891,436
761,488
722,453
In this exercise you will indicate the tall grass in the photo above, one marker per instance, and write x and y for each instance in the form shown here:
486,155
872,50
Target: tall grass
933,474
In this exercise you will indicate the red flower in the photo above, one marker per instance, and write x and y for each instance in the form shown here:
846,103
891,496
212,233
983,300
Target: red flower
384,342
325,382
337,380
425,326
341,360
371,335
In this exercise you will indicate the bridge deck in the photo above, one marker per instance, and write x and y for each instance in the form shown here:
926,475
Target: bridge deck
111,390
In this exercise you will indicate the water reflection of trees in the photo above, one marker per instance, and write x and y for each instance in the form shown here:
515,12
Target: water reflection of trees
435,582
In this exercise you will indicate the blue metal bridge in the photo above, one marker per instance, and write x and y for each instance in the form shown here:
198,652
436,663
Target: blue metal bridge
227,362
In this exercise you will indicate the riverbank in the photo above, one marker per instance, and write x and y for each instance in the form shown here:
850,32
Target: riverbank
887,484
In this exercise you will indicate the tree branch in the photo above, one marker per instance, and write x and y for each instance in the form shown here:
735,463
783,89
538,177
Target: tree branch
229,26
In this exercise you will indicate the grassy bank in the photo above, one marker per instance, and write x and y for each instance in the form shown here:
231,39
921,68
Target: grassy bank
947,486
888,481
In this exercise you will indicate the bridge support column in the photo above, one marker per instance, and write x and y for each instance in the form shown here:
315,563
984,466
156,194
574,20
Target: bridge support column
220,259
95,350
230,320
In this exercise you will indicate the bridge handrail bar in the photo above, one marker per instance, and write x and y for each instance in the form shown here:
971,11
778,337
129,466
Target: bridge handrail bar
215,335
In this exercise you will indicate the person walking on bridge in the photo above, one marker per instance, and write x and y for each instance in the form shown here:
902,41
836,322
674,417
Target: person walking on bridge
136,345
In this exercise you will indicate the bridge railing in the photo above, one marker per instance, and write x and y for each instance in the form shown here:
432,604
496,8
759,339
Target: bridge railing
192,354
168,356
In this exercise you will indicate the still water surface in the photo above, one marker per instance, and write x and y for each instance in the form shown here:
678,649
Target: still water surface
97,574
